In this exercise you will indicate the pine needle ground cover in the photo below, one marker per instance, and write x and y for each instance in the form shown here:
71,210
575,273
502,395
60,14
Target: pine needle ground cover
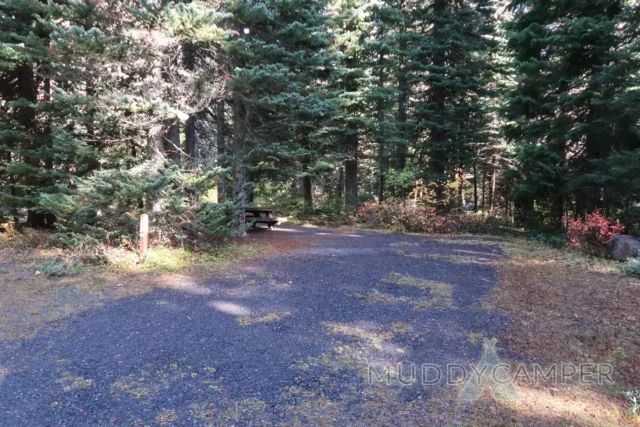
564,307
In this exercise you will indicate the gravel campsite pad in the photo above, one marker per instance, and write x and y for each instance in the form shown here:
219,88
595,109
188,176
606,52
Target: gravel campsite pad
297,338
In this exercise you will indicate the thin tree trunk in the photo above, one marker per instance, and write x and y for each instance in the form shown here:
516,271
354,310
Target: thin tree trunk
484,194
191,140
382,164
475,187
220,142
403,96
493,190
351,169
171,139
191,126
240,196
307,196
155,144
26,82
340,187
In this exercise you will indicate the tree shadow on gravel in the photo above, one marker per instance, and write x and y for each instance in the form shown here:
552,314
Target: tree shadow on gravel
285,340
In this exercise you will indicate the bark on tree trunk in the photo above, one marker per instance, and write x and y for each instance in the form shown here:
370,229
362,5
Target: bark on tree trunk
240,196
484,194
340,186
191,140
220,142
191,126
155,144
155,154
475,188
493,190
307,196
351,169
403,96
27,84
382,164
171,140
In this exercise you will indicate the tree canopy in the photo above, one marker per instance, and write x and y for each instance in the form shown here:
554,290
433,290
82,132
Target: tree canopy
190,111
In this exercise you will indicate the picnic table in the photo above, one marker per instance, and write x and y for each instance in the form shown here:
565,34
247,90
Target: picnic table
260,216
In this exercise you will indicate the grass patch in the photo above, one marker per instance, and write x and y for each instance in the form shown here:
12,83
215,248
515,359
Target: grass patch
440,289
375,339
271,317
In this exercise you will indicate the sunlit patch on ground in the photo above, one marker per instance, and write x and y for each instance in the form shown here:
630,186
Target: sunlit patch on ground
453,258
268,318
434,294
550,406
404,244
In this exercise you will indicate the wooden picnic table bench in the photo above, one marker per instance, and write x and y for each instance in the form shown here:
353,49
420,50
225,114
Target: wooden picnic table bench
260,216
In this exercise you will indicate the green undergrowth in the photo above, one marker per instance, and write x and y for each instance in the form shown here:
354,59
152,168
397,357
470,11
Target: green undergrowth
42,284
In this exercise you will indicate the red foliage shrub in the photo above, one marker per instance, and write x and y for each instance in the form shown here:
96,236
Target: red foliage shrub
592,234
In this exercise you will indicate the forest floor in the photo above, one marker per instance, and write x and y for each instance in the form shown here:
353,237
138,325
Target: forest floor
311,326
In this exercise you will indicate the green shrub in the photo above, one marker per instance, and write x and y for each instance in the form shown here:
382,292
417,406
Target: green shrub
632,267
557,241
56,268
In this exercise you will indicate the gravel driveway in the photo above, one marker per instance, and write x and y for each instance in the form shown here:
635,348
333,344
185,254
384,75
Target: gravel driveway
299,338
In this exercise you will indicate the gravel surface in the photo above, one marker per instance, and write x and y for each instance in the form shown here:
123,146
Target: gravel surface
284,340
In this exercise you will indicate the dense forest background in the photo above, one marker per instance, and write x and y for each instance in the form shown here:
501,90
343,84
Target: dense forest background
526,111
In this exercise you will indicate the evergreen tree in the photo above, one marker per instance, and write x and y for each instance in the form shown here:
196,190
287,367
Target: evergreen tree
279,56
565,111
451,68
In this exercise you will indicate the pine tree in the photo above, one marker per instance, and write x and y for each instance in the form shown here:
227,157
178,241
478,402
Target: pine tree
451,67
279,57
25,129
564,114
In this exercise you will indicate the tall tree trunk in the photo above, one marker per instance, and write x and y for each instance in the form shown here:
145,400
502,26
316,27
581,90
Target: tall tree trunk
191,140
351,141
155,144
171,140
475,187
239,153
191,126
307,196
221,149
484,194
400,153
492,190
27,89
351,168
340,187
596,148
382,163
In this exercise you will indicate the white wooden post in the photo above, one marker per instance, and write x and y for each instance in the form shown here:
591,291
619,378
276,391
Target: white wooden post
144,235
